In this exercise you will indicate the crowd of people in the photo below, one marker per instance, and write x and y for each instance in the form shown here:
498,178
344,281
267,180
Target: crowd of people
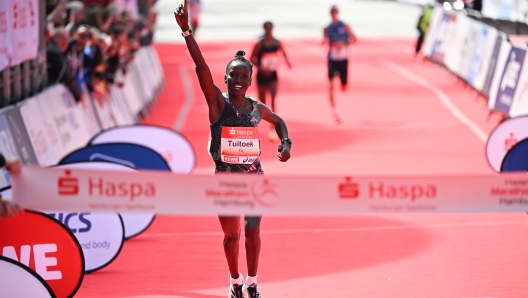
90,43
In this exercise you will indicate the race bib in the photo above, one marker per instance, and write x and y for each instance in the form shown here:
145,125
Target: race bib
338,51
269,61
239,145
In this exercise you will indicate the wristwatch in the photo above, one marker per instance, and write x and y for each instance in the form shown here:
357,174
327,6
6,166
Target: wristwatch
187,33
286,140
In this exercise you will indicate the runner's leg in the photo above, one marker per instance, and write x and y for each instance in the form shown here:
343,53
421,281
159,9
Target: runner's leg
231,227
252,233
273,85
262,92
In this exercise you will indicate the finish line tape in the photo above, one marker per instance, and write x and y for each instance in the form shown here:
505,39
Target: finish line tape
167,193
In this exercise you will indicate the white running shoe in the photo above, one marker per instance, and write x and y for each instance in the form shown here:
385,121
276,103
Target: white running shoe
252,291
236,290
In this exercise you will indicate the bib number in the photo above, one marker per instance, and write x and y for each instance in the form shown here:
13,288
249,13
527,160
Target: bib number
338,51
239,145
269,61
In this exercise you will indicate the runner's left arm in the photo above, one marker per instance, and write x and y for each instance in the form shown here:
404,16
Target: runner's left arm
284,54
280,128
351,34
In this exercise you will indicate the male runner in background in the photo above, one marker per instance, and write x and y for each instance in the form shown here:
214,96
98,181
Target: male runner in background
339,36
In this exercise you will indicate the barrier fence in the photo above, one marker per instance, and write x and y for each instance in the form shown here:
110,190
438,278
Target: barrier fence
42,129
483,57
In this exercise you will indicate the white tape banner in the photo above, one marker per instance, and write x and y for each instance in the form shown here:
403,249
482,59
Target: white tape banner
166,193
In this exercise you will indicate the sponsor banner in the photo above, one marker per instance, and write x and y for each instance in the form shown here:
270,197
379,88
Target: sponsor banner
129,155
519,106
495,71
487,37
131,96
120,107
6,46
20,136
503,138
101,235
7,147
240,145
139,84
105,113
24,30
516,160
39,134
171,145
513,10
132,224
17,280
154,191
510,78
47,247
469,47
88,113
445,35
456,44
58,107
155,64
434,28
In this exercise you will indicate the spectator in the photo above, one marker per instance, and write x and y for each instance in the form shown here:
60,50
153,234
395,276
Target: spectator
94,16
75,54
422,26
74,15
58,70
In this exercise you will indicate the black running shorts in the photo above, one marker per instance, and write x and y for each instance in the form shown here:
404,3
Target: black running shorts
338,68
264,80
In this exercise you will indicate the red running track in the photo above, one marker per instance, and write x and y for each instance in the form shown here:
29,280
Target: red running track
401,116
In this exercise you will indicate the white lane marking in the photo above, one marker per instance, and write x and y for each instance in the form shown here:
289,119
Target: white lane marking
362,229
444,99
189,99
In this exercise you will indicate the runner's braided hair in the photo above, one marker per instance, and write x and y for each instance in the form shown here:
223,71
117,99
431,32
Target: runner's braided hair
239,56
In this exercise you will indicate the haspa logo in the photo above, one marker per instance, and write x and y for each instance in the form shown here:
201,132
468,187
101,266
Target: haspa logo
348,189
510,142
68,186
402,191
232,131
265,193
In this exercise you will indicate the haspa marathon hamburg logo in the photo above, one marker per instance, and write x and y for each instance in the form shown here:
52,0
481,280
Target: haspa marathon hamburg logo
47,247
380,190
70,186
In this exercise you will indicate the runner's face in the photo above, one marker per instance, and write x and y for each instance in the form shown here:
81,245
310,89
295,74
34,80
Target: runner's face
268,29
334,13
238,78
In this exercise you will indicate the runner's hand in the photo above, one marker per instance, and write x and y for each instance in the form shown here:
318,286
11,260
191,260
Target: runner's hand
8,209
284,152
182,17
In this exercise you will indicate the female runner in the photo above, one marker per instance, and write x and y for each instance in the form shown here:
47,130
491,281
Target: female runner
265,56
229,111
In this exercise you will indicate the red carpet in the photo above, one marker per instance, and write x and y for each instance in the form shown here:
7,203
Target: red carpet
392,126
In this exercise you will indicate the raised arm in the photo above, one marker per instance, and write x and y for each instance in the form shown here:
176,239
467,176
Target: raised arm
210,91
